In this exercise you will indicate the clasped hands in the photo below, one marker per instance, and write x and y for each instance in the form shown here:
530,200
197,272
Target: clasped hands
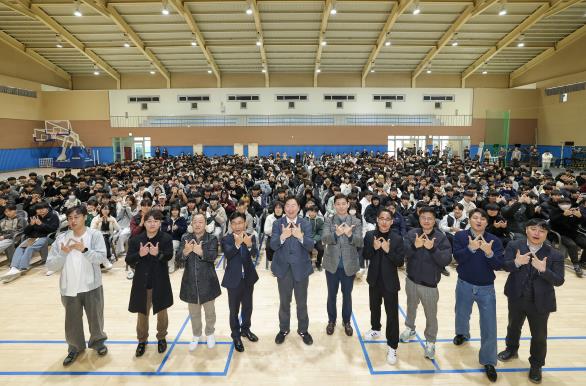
526,258
292,230
148,248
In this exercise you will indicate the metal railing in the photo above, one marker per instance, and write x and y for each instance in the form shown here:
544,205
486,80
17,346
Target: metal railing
292,120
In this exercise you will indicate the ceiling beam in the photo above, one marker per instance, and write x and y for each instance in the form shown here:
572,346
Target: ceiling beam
322,32
543,11
469,12
397,11
19,7
34,56
110,12
41,16
183,10
571,38
260,36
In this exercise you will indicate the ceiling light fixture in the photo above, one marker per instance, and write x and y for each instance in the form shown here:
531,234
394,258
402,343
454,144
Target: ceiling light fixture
387,43
77,11
521,42
258,43
209,71
484,72
165,10
249,11
416,10
96,71
58,44
502,10
324,43
318,70
152,70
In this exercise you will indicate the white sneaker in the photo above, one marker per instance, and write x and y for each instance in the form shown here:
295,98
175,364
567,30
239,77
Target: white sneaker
430,350
108,265
12,274
194,343
372,334
360,273
211,341
391,356
130,275
406,335
171,269
49,273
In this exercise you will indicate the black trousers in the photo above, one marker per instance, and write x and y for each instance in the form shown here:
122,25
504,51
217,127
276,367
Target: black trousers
519,310
319,247
240,296
376,295
573,244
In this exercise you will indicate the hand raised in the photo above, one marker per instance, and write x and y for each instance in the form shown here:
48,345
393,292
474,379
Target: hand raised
154,249
197,247
285,232
522,259
238,240
385,245
475,243
349,229
65,248
143,250
419,241
247,239
427,243
486,247
376,243
297,233
539,265
340,229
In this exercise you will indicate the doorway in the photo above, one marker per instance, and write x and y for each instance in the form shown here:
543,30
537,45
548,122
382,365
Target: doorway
130,148
406,142
453,144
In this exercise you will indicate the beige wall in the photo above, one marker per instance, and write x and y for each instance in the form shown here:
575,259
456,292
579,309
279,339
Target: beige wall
19,107
523,104
15,63
76,105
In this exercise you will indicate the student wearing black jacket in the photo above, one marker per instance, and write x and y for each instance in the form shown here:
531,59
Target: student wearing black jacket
385,251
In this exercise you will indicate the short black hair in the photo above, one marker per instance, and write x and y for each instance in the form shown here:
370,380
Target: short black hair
292,197
459,206
79,209
427,209
10,207
236,215
155,214
340,196
480,211
538,222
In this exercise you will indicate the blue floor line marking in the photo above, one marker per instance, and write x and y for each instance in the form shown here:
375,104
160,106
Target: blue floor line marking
419,339
362,345
220,261
170,350
449,340
227,367
118,373
108,342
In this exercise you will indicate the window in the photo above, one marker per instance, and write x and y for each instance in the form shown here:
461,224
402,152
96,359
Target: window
438,105
193,98
243,105
144,106
194,105
18,91
388,97
141,99
291,105
252,98
388,105
435,98
338,97
292,97
565,89
339,105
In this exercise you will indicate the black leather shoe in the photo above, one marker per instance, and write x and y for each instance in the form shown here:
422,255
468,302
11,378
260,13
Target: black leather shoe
162,346
103,350
280,338
307,339
507,355
535,374
238,346
459,339
140,349
348,329
249,335
490,372
70,358
330,328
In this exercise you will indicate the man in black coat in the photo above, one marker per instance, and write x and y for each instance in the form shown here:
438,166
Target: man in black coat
385,251
149,253
239,278
535,269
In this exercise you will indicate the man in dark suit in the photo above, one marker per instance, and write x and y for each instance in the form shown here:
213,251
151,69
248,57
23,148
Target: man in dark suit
239,278
385,251
292,242
535,267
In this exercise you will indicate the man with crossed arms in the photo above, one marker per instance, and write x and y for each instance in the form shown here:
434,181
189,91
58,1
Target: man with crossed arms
292,242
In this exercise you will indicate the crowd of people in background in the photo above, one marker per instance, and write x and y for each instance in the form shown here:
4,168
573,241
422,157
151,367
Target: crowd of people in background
428,210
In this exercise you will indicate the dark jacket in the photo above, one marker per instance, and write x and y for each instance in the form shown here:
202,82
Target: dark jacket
474,267
150,270
517,215
381,263
181,224
564,225
238,259
424,266
292,254
543,283
199,283
49,224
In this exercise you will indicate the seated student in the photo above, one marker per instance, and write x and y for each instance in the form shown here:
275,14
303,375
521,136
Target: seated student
176,226
36,234
11,229
268,227
107,225
317,225
497,225
454,222
242,207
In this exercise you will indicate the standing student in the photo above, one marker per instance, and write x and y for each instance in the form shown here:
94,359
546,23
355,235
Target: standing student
78,254
342,237
478,254
535,269
200,286
292,242
240,249
428,252
149,253
385,251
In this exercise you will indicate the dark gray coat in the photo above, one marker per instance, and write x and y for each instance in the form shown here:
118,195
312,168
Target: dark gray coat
200,282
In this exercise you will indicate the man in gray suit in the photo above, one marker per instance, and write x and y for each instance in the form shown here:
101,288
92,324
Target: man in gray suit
292,242
342,237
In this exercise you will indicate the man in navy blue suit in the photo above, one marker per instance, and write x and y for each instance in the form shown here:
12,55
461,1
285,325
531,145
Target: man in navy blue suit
535,268
292,242
239,278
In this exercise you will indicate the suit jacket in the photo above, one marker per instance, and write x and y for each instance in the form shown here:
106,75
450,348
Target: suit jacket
382,263
238,258
347,247
543,283
292,253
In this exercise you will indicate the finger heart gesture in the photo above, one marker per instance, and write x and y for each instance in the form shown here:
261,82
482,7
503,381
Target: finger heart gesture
486,247
475,243
197,247
247,239
154,249
348,230
427,243
385,245
144,249
297,233
539,265
377,243
419,241
522,259
340,229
